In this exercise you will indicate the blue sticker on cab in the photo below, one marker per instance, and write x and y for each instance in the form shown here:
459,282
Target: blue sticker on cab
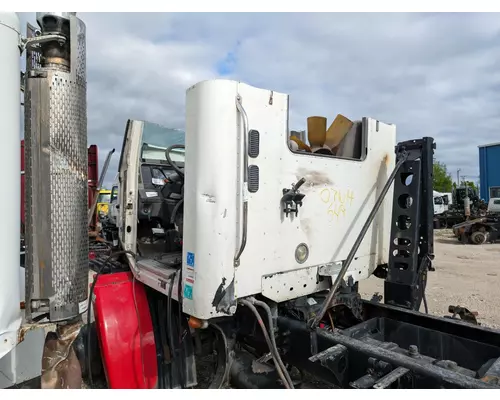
190,259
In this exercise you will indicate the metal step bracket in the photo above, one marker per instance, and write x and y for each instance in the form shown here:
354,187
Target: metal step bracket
391,377
329,354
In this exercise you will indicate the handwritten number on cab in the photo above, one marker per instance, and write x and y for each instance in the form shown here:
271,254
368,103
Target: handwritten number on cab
337,201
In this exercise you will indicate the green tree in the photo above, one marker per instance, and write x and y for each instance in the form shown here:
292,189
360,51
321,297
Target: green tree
469,184
442,179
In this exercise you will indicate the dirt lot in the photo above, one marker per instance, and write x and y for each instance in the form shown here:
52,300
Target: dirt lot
466,275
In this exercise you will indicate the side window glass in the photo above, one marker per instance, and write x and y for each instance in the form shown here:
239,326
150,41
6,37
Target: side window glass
114,193
494,192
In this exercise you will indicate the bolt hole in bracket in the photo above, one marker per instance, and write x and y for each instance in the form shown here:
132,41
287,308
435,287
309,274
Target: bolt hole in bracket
292,198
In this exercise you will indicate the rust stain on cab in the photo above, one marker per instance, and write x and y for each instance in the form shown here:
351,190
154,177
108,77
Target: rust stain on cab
387,160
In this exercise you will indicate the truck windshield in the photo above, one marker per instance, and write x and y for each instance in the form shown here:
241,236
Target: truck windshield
104,198
156,139
438,200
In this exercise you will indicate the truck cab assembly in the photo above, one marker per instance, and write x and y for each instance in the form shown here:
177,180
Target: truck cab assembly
235,254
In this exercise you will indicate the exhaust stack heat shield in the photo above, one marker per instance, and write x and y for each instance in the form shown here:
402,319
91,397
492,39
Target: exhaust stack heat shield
56,168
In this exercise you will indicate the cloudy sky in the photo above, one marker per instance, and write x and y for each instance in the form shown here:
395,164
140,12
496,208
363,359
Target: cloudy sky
431,74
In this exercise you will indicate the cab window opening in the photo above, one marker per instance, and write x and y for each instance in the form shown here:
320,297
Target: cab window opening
344,139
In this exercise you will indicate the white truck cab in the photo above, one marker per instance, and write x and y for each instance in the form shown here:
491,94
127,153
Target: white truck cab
440,203
219,220
494,205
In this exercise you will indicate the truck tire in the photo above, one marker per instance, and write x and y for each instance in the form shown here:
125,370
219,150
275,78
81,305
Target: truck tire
478,237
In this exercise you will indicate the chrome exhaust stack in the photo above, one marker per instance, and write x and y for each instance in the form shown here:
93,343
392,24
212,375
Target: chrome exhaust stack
56,168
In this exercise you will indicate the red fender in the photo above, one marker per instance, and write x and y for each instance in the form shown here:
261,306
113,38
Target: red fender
127,364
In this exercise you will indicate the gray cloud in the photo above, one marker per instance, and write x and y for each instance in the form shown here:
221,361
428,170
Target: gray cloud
431,74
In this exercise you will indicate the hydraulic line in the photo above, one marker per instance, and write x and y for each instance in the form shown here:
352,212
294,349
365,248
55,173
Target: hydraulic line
267,309
268,341
182,356
227,363
171,342
426,308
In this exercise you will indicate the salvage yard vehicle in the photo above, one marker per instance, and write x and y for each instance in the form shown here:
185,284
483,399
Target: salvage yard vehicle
455,212
478,230
231,246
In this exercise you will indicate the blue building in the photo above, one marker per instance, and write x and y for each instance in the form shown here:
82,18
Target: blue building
489,171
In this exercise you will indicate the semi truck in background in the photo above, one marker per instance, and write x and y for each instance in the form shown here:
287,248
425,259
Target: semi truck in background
457,211
440,202
231,247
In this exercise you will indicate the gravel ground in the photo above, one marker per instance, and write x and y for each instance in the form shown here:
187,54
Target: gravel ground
466,275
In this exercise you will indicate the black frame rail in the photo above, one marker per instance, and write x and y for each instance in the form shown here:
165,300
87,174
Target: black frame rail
397,348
